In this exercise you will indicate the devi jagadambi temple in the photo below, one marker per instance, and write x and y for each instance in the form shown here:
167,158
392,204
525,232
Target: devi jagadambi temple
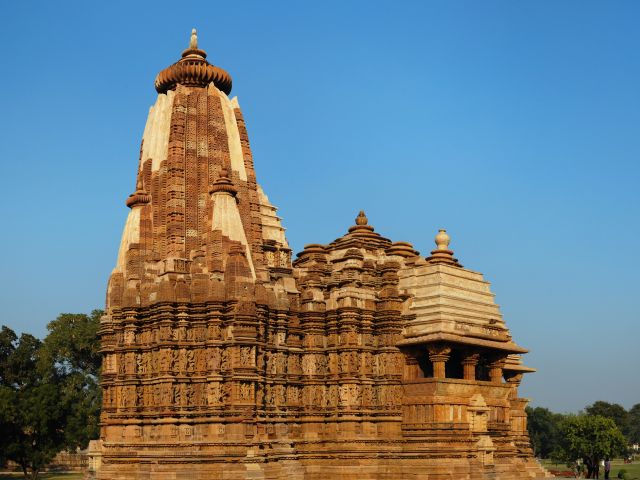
225,359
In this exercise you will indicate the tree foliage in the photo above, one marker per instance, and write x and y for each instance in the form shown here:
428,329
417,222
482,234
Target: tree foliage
49,391
591,438
31,414
72,352
544,431
634,424
614,411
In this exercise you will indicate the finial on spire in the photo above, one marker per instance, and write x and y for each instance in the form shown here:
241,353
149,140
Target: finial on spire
193,53
442,254
362,225
442,240
193,70
193,42
361,219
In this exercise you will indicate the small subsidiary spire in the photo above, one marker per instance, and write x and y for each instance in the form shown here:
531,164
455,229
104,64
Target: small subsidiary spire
223,183
140,196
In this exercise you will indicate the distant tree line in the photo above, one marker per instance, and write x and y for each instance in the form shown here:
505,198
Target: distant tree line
50,397
602,430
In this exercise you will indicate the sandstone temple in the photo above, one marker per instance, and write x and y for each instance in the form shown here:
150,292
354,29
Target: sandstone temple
223,358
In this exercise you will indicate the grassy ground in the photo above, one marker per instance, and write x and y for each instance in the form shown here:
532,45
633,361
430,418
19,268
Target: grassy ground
633,469
633,472
43,476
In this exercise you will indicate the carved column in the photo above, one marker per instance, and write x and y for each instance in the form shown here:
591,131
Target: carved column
495,369
513,379
439,354
411,366
469,363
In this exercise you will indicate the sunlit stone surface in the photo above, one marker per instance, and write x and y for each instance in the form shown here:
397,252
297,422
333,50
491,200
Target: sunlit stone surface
223,360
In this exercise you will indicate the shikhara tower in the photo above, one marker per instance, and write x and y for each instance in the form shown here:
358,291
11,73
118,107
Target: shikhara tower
362,360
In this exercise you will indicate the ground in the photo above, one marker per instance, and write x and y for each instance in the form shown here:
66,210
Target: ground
633,472
44,476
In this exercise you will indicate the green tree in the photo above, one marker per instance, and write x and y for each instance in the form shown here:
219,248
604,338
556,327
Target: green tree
31,413
544,431
8,339
72,343
49,391
634,424
614,411
591,438
71,351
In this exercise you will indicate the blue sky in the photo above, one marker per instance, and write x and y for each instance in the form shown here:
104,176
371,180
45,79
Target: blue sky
515,125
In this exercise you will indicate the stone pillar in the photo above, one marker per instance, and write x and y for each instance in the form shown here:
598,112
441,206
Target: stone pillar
439,354
411,367
495,369
469,363
513,379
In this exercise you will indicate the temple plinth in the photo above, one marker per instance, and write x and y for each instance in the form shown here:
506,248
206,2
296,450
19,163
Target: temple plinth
223,359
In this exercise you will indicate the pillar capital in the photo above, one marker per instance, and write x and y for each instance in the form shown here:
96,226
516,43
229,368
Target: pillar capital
439,354
470,358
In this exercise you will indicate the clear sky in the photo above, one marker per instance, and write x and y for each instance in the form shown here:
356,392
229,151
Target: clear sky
515,125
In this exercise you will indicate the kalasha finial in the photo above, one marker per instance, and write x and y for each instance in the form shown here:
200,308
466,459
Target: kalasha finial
442,240
361,219
193,52
362,225
442,254
193,43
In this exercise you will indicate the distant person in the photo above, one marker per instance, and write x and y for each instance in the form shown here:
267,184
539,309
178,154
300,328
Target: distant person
596,468
607,468
589,466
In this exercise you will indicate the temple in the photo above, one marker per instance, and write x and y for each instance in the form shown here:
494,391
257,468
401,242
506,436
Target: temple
222,358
